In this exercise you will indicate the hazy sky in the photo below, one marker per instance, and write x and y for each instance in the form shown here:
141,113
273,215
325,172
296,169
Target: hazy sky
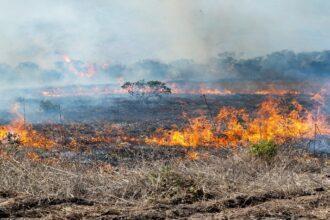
133,30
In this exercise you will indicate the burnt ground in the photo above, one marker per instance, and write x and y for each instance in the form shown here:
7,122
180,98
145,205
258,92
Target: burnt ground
123,109
168,109
305,196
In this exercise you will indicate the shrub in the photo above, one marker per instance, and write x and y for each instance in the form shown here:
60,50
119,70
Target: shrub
146,90
48,106
265,149
168,183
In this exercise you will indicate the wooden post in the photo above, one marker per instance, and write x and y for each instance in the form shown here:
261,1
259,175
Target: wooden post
210,112
24,114
60,123
60,113
315,136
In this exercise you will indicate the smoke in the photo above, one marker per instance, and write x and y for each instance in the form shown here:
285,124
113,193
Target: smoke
130,31
278,66
112,41
283,65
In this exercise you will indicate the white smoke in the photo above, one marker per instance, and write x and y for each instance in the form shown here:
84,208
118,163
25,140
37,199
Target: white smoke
131,31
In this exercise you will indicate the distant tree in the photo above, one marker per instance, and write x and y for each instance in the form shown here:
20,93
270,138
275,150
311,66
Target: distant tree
48,106
145,90
20,100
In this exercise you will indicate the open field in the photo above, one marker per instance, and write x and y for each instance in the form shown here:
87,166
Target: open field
96,159
218,185
172,109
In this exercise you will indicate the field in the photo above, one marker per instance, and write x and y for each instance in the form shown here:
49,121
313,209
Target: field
184,156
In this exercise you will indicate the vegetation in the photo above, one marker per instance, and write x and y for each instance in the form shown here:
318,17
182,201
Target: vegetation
265,149
49,107
236,186
104,169
144,91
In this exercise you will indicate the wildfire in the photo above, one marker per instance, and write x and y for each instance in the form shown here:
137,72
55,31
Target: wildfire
101,90
82,91
201,89
21,133
217,89
88,71
176,89
274,92
66,58
192,155
234,127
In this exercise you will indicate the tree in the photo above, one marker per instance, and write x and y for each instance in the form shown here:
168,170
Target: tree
146,90
49,107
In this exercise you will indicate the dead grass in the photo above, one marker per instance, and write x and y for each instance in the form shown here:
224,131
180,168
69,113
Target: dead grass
171,181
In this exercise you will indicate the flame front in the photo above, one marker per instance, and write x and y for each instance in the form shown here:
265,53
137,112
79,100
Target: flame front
24,133
234,127
88,72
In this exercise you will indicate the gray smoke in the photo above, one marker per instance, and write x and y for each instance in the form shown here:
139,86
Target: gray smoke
130,31
283,66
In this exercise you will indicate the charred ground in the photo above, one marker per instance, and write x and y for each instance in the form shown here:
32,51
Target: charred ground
101,167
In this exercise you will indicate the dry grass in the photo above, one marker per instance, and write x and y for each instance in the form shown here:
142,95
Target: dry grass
166,181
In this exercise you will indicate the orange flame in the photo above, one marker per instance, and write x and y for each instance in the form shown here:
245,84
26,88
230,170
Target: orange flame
193,155
82,91
235,127
90,68
202,88
23,133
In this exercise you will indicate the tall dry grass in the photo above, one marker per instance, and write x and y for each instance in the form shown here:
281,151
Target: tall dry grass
166,181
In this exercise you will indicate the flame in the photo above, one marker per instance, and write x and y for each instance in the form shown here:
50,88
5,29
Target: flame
201,89
81,91
58,92
33,156
318,118
193,155
177,89
234,127
90,69
82,135
279,92
217,89
66,58
22,133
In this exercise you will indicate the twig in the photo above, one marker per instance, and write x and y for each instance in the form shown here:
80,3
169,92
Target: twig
61,171
210,113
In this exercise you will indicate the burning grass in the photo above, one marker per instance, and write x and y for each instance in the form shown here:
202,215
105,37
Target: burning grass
21,133
97,170
273,120
276,120
83,164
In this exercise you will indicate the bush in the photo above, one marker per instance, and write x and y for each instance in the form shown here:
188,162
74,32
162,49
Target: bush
146,90
49,107
265,149
168,183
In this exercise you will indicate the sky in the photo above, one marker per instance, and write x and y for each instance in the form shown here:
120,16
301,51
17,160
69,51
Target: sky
118,31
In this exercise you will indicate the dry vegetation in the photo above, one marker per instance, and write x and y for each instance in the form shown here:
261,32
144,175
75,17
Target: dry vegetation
220,184
104,167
